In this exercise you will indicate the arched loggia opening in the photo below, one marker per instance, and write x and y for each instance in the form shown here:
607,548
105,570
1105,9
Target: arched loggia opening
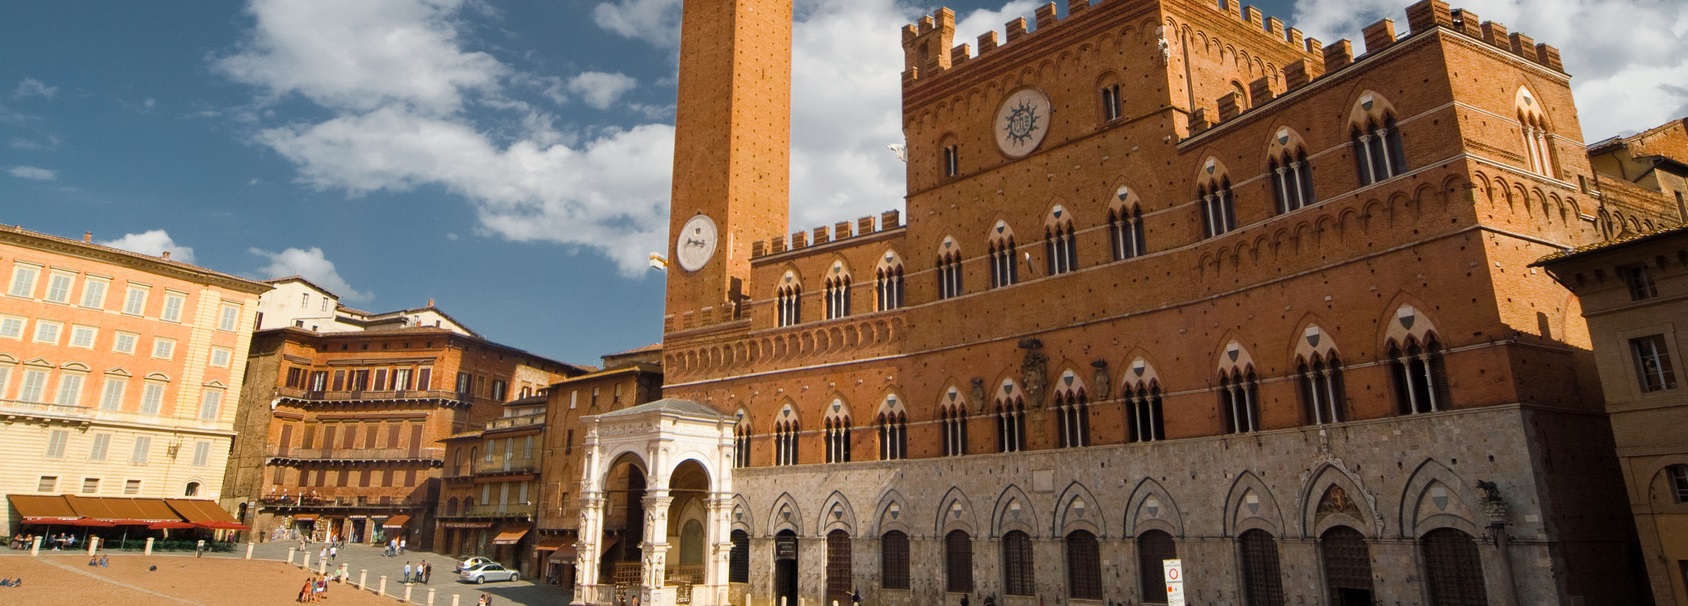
624,523
688,521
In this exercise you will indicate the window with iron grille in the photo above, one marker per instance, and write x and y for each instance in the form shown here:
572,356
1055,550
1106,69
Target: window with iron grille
958,562
954,420
1322,395
893,436
1239,401
893,560
1453,572
1678,482
1125,228
838,440
1010,425
1420,382
1143,409
1018,576
1152,547
1652,363
1263,583
839,577
1348,573
738,560
1084,566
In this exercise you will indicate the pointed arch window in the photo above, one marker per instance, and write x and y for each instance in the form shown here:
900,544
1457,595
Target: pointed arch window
1084,566
1378,152
741,445
785,442
952,160
888,286
1143,411
1532,123
1125,230
1263,583
1219,213
1453,570
1239,400
1348,570
949,274
838,296
893,436
894,560
954,422
1072,409
1154,547
1323,397
1112,107
1005,269
1060,243
958,562
789,301
738,559
1292,181
1420,381
1010,425
838,439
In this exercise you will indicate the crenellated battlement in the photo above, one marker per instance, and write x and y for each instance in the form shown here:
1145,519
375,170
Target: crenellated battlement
930,51
842,231
1422,17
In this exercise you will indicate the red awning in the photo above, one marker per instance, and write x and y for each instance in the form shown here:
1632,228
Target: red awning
92,523
205,514
170,525
304,517
510,537
397,521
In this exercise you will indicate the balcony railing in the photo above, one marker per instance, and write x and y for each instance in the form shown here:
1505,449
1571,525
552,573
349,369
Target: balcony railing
370,395
43,410
519,421
357,454
499,464
324,501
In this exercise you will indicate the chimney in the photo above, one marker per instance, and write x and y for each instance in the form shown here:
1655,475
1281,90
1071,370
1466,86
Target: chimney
87,236
165,255
430,301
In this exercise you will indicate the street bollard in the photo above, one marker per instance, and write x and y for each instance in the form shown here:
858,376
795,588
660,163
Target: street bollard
322,567
93,546
290,551
35,549
149,546
454,599
305,563
382,587
363,579
430,596
249,547
407,593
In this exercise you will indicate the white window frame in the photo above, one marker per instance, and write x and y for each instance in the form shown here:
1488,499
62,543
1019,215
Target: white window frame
221,356
34,386
94,292
201,453
111,393
142,454
100,448
229,318
211,405
69,392
135,299
78,331
174,303
24,276
11,327
152,397
131,487
90,486
124,342
47,484
59,285
57,440
163,348
48,332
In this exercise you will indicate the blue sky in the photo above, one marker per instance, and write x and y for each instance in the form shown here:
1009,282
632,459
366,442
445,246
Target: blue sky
511,159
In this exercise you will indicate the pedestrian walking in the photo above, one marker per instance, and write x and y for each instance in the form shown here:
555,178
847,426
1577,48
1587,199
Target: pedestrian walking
334,553
407,573
401,546
305,592
322,554
427,571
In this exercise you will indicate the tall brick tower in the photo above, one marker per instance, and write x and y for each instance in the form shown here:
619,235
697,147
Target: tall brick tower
732,148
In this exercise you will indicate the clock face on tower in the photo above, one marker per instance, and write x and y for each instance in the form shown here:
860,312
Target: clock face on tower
696,243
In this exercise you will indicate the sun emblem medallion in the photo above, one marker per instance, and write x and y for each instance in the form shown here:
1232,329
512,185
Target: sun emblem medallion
1021,122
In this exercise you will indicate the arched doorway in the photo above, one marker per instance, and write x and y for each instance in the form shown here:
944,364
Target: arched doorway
840,578
624,526
785,567
687,530
1347,566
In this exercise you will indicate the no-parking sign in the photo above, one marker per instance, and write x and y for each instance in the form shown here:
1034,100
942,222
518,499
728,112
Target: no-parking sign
1174,573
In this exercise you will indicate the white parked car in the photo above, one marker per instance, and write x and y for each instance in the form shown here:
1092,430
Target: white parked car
471,562
491,571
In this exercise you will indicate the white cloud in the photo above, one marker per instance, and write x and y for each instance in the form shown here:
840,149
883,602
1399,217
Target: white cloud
312,265
654,21
601,90
363,55
33,172
30,87
154,242
1629,58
